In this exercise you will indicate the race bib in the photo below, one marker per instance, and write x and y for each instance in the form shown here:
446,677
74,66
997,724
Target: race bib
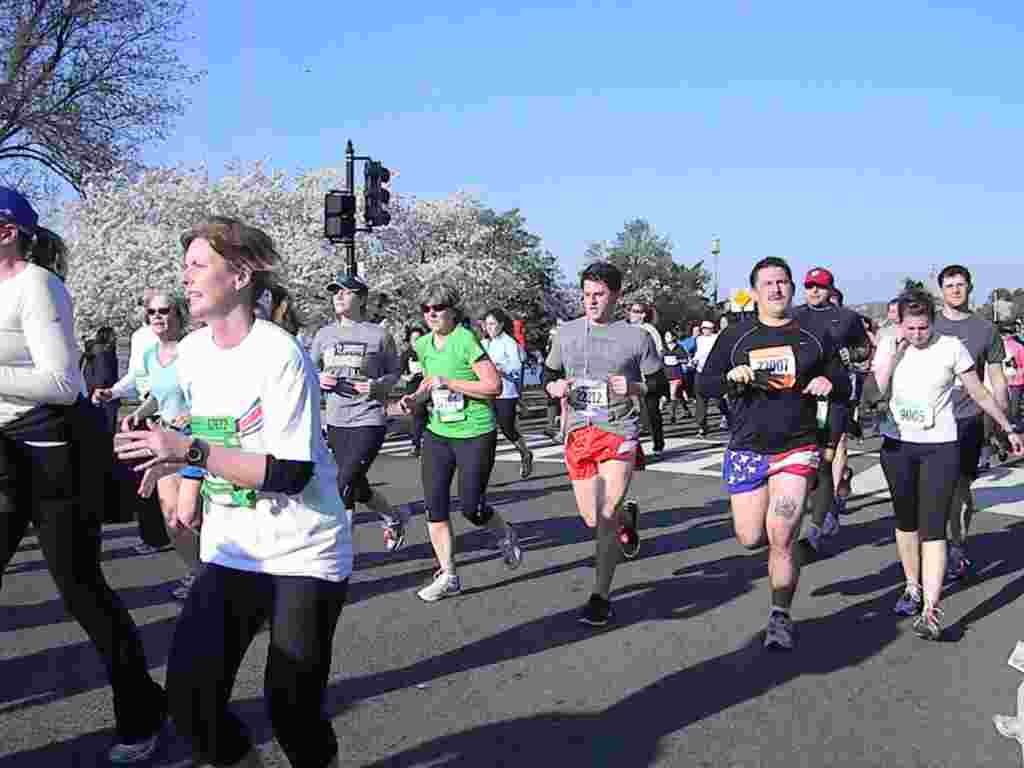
778,362
589,396
222,431
912,414
448,406
345,360
671,360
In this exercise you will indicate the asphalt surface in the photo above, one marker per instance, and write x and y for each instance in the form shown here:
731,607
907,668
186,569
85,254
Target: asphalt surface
504,675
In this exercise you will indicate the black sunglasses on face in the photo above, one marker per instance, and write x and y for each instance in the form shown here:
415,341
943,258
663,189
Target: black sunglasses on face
437,308
162,311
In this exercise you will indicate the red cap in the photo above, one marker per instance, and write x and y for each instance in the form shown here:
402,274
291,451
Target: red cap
820,277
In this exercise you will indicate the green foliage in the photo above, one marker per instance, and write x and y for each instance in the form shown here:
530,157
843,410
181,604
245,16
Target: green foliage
651,275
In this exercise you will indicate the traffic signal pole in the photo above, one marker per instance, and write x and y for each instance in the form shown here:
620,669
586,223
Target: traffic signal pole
350,186
340,205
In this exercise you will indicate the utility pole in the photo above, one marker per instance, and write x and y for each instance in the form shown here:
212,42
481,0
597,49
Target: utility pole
716,248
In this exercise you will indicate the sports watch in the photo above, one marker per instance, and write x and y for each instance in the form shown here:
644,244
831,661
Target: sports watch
197,454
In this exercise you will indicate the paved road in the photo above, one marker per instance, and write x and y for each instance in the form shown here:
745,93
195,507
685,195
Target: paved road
504,675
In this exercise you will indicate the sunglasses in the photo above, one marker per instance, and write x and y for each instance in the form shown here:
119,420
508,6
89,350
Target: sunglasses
435,308
162,311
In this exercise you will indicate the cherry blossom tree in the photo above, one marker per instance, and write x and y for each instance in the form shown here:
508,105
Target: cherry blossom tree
124,236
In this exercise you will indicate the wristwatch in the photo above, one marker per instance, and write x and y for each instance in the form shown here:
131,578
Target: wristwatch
197,454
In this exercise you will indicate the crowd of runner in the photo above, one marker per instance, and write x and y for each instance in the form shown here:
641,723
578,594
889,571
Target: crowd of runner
257,484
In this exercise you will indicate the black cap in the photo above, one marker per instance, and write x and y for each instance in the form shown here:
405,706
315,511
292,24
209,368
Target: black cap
350,282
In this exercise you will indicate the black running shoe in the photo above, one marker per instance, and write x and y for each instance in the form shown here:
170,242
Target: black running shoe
597,612
629,535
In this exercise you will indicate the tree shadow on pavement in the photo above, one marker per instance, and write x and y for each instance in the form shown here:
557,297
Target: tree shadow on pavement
642,719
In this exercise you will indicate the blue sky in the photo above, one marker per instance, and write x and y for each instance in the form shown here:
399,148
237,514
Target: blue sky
878,139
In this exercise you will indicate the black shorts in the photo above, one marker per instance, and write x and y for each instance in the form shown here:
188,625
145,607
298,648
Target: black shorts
838,422
970,436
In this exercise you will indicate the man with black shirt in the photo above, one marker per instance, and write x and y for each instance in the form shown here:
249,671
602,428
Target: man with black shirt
777,370
986,347
846,334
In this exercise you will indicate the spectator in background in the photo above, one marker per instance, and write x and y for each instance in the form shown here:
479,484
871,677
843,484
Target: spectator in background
1013,365
99,368
142,340
412,377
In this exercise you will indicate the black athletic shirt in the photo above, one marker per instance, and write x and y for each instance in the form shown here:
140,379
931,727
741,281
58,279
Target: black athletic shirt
784,418
842,326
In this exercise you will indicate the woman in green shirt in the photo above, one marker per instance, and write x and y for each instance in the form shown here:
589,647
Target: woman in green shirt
459,381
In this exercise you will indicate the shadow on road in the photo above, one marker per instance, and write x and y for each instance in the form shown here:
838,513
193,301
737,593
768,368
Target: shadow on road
642,719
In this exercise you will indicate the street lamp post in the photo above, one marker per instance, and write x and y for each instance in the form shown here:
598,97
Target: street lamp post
716,248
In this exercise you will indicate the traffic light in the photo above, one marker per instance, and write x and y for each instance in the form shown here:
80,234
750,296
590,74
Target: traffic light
375,195
339,215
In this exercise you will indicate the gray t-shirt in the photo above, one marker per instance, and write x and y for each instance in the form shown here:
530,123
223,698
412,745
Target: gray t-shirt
590,354
356,352
985,346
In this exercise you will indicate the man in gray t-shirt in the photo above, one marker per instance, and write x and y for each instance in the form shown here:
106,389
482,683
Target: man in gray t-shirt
359,366
603,368
986,347
590,354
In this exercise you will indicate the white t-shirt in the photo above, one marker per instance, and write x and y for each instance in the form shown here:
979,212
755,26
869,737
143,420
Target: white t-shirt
269,386
143,339
920,391
38,353
704,346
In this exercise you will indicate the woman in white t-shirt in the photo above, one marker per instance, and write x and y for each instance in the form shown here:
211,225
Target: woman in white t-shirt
276,538
916,370
507,358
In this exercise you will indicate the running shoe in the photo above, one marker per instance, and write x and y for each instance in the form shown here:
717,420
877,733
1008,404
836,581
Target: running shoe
597,612
444,585
927,625
511,552
145,549
629,534
831,525
958,566
814,536
1008,726
702,433
526,465
136,751
181,591
779,633
910,603
394,536
414,453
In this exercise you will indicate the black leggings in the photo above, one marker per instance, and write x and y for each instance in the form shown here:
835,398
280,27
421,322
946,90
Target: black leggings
474,458
652,409
922,478
355,448
224,611
45,483
505,413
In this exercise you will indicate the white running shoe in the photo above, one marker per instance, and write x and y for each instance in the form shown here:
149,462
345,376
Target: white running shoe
444,585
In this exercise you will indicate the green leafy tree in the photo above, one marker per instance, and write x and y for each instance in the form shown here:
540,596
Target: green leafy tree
652,276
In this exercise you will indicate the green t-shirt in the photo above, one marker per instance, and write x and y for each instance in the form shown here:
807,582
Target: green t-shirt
452,413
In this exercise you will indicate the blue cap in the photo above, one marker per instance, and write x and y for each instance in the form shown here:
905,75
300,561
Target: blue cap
350,282
15,208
